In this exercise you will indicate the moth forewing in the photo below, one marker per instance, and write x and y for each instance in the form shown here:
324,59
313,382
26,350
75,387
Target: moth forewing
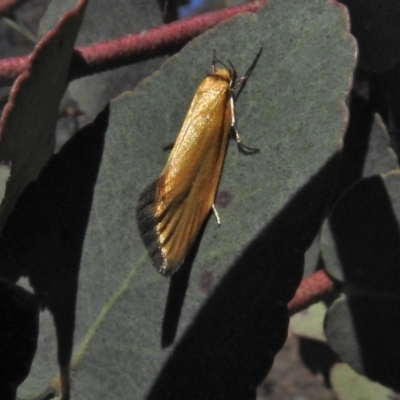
172,210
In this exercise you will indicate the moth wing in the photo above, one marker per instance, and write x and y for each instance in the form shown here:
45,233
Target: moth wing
172,209
169,223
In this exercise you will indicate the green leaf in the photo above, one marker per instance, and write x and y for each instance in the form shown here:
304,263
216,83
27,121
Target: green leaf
29,118
289,109
43,239
370,154
380,157
361,249
4,177
309,323
232,317
92,93
348,385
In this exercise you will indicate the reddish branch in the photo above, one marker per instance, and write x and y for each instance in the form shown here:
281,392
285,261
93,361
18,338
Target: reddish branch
312,289
125,50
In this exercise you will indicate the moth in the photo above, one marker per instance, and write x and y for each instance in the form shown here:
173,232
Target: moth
172,209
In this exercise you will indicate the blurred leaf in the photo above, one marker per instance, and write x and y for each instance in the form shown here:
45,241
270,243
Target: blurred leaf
309,323
29,118
104,21
380,156
360,247
4,177
348,385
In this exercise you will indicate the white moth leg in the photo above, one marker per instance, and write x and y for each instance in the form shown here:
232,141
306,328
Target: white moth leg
216,214
233,122
242,147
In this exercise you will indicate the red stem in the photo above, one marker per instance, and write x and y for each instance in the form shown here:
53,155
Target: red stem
312,289
125,50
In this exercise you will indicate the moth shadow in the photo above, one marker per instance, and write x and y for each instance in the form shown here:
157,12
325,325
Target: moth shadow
177,291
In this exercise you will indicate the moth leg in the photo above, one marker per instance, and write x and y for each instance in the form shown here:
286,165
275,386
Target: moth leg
242,147
216,214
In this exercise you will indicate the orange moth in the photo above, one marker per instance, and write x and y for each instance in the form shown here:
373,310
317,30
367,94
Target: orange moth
172,209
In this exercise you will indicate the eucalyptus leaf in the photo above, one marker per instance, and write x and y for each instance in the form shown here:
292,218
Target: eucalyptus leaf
348,385
277,112
361,249
29,118
103,22
224,313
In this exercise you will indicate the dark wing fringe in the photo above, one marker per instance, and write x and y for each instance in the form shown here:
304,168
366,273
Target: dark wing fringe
147,224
